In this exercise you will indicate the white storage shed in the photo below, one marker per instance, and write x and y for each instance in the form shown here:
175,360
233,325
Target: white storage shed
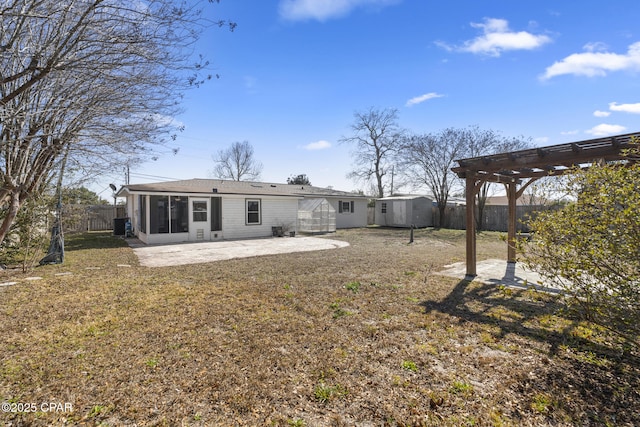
404,211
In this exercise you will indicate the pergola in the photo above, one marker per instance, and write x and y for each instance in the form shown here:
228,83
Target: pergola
518,169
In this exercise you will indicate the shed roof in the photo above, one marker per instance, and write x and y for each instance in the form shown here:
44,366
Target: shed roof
218,186
404,197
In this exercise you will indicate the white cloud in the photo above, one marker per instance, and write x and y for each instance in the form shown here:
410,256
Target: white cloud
541,140
318,145
422,98
498,38
599,113
321,10
626,108
605,130
595,63
595,47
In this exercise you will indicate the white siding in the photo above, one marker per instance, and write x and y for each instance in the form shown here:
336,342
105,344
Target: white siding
275,212
133,212
161,238
132,207
357,218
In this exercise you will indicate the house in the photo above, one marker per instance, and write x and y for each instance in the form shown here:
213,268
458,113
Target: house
404,211
213,209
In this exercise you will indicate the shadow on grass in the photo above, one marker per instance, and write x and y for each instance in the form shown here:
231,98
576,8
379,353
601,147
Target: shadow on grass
515,311
591,379
92,240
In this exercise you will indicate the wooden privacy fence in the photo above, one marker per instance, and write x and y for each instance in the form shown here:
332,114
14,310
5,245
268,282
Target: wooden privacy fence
495,218
79,218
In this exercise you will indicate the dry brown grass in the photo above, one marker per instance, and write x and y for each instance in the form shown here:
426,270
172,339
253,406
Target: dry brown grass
366,335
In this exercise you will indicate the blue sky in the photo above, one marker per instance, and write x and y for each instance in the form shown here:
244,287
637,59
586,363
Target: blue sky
294,71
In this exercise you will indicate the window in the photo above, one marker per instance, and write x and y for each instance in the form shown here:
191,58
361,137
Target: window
158,214
168,214
383,207
345,207
216,213
179,214
253,211
142,213
199,211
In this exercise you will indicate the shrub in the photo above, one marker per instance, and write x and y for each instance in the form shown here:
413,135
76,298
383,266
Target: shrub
591,248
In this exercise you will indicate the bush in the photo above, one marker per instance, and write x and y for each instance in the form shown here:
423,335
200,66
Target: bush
591,248
26,241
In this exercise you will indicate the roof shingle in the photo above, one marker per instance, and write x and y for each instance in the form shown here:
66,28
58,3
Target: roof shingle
218,186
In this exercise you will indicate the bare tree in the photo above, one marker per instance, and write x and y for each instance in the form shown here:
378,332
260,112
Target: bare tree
98,78
427,160
376,137
548,191
482,142
237,163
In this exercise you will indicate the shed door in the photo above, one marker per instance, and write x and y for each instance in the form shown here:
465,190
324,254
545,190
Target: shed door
399,212
199,223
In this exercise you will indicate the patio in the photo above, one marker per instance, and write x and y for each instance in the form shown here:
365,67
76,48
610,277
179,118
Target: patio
201,252
500,272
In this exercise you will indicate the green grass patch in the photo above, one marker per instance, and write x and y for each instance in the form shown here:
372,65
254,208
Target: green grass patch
353,286
409,365
324,393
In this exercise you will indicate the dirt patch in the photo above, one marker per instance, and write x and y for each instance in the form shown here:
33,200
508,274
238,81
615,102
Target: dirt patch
364,335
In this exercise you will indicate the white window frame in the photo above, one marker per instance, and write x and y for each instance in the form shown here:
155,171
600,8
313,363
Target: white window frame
247,212
346,207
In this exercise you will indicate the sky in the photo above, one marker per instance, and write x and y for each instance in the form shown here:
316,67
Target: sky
294,72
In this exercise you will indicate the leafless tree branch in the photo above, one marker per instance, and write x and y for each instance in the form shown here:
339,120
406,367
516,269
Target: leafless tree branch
99,77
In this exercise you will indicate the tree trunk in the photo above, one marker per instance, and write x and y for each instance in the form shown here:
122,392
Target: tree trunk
380,187
481,202
480,211
12,212
442,209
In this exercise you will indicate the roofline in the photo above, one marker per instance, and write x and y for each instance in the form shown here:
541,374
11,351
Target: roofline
298,191
200,193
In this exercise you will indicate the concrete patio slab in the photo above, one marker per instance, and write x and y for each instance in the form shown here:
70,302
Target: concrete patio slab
194,253
500,272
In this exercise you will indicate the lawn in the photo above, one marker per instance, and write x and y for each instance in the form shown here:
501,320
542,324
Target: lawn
366,335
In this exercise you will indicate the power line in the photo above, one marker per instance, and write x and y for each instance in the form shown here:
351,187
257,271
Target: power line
142,175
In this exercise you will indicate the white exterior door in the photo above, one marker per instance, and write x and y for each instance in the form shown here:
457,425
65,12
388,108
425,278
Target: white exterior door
199,226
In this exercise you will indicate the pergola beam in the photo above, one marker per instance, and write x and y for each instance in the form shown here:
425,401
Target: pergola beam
511,168
574,153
